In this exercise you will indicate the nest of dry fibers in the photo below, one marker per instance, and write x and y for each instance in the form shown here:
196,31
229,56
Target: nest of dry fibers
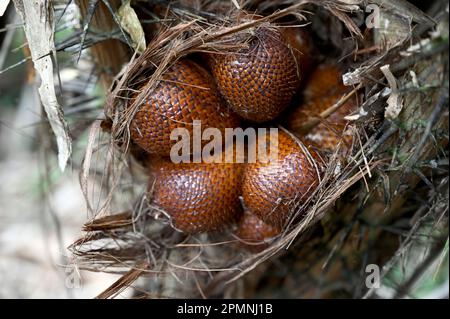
380,182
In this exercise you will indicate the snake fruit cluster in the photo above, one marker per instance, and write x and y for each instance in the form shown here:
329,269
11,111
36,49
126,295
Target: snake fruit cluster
255,84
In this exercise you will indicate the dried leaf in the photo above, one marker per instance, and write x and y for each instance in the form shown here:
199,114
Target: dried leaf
367,105
407,10
353,78
236,4
395,102
129,21
393,29
351,5
39,30
3,6
348,22
84,174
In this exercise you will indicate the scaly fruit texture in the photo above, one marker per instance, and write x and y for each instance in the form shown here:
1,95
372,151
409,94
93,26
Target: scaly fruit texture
326,79
272,190
323,90
198,197
186,93
299,42
258,82
254,233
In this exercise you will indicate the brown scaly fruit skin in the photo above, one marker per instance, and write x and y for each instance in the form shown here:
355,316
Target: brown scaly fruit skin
258,82
199,197
254,233
186,93
325,80
328,134
271,190
299,42
323,91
